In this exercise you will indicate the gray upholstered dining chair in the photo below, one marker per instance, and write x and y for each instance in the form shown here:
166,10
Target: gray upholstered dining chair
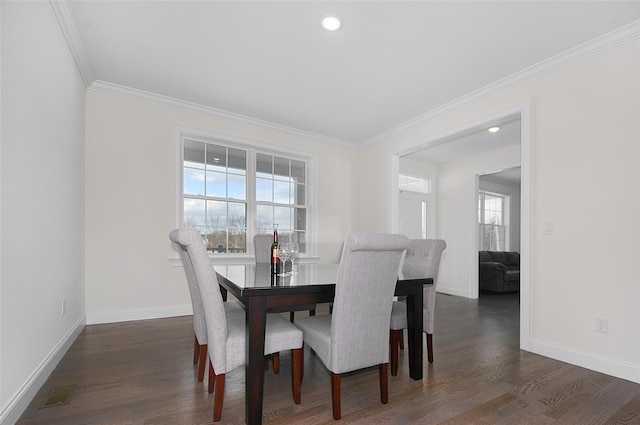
232,308
226,334
422,259
262,252
262,246
356,335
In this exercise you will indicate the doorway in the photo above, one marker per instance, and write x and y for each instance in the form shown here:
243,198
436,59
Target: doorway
457,200
499,226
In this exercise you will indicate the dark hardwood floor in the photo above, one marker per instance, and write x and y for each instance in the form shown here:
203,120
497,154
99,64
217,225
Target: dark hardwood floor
142,373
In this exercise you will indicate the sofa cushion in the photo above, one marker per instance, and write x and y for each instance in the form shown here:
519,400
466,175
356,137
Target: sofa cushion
498,257
512,275
512,258
485,257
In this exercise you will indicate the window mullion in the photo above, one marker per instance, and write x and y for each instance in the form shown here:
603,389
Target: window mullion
252,209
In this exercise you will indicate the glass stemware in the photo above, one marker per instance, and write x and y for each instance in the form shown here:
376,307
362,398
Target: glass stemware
285,255
294,250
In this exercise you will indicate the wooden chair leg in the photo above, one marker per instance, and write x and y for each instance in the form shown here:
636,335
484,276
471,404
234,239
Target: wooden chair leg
212,379
275,359
218,398
383,370
196,349
335,395
292,316
430,348
296,373
401,342
202,363
395,336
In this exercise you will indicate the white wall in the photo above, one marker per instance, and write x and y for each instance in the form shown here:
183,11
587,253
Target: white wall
585,164
129,204
42,201
415,168
373,187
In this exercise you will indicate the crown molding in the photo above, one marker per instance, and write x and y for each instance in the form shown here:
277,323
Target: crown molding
567,58
608,41
69,28
161,100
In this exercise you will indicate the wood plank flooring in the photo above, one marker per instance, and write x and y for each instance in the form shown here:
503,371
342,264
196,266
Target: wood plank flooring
142,373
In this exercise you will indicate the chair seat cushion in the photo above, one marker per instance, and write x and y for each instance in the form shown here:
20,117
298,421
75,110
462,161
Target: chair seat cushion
317,334
280,335
399,317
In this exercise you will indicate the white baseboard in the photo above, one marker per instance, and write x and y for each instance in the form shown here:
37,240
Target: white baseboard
113,316
452,291
21,399
608,366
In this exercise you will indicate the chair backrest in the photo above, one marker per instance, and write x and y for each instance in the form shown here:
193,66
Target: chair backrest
212,302
199,322
262,248
422,259
365,285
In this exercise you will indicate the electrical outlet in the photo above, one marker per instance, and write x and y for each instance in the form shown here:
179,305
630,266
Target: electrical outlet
64,307
601,325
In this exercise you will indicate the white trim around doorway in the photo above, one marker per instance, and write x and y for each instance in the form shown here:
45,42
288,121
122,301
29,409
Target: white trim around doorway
522,109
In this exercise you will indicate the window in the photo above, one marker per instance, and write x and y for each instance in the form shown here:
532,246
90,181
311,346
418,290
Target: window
280,197
231,192
492,223
414,184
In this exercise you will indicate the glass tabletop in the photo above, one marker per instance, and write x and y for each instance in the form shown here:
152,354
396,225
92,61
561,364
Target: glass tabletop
260,276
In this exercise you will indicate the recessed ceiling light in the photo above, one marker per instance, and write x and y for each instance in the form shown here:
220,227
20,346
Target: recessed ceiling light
331,22
494,129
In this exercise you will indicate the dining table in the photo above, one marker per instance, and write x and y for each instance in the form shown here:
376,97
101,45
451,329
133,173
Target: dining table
259,290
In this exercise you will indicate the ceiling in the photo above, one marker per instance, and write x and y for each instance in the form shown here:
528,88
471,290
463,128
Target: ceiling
510,176
471,142
391,62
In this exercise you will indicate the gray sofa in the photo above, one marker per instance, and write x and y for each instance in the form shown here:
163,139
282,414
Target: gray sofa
499,271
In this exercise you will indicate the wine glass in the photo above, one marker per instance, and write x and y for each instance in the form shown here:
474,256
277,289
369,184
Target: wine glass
285,255
294,250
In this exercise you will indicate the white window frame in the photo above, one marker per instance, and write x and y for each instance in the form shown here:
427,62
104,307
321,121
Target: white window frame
506,202
252,147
